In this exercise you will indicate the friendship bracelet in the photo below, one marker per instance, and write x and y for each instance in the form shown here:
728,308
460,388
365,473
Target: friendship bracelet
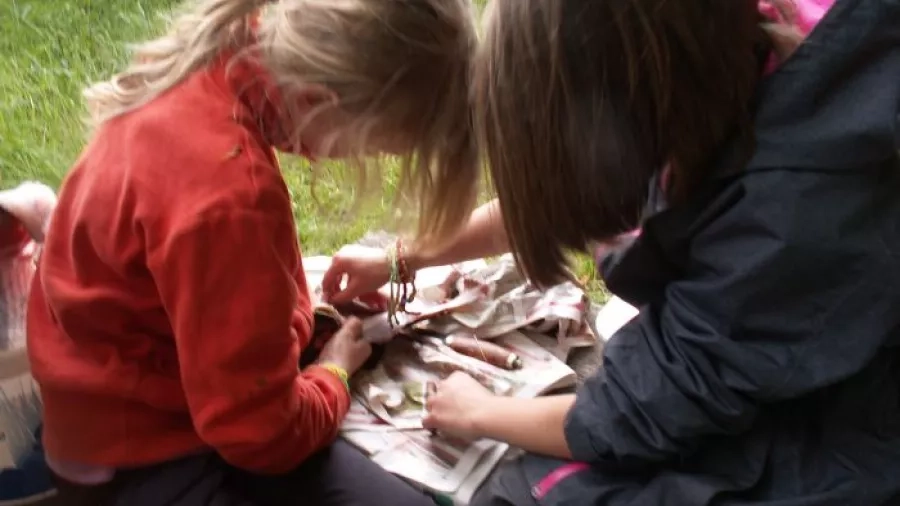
340,372
406,277
393,280
407,282
402,283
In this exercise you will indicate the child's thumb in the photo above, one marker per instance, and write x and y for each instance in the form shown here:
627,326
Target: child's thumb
352,329
350,292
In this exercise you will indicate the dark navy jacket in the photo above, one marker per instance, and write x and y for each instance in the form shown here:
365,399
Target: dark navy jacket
764,368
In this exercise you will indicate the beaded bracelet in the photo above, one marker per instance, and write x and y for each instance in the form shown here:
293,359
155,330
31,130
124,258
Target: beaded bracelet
402,282
340,372
394,275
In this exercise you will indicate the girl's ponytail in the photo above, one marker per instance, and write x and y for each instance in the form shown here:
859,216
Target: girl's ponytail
194,38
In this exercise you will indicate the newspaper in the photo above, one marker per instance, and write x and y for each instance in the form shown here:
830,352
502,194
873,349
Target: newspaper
495,299
488,302
386,418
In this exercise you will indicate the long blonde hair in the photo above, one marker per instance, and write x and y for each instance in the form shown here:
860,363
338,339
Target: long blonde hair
399,66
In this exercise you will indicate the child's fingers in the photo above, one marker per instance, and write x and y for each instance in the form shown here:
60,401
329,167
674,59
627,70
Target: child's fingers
331,280
352,329
350,292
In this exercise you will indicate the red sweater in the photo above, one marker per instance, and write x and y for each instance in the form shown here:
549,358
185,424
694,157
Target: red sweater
170,306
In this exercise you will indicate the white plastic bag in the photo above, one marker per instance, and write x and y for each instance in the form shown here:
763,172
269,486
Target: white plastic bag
24,216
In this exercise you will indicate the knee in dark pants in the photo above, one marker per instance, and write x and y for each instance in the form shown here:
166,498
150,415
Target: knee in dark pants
337,476
507,486
71,494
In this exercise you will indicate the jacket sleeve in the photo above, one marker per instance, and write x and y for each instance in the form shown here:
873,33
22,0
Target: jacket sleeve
238,315
783,294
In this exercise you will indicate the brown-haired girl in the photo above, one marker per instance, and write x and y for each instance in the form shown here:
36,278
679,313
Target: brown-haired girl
170,306
763,172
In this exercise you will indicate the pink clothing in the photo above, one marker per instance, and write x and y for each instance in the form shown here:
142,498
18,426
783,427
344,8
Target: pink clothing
806,14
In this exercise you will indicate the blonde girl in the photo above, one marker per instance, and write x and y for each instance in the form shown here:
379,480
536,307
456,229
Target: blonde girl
170,307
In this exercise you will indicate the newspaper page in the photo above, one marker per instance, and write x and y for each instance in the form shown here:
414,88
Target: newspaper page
386,418
493,300
20,409
489,303
489,300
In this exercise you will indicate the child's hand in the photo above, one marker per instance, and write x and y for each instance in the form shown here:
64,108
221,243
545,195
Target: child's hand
346,349
454,406
366,270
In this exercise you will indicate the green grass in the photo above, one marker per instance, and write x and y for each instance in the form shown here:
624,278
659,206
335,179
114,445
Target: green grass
52,48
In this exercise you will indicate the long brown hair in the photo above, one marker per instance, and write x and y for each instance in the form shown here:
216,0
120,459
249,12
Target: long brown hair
581,103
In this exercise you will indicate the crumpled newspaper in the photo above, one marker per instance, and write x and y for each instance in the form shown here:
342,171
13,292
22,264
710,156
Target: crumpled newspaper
488,300
25,213
495,299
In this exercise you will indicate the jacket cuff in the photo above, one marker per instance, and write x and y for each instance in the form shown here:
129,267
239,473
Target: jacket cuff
579,425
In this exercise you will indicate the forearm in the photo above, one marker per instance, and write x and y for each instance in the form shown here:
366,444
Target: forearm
483,236
535,425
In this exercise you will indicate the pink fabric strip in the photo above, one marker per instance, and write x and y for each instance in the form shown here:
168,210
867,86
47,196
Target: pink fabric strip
556,477
806,14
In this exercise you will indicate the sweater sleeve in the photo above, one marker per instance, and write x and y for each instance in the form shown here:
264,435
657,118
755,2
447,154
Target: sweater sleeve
229,284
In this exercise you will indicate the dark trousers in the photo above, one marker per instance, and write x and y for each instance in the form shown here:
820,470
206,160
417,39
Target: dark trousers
338,476
523,482
507,486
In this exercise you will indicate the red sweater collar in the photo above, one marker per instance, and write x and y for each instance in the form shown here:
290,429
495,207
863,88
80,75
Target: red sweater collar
254,88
